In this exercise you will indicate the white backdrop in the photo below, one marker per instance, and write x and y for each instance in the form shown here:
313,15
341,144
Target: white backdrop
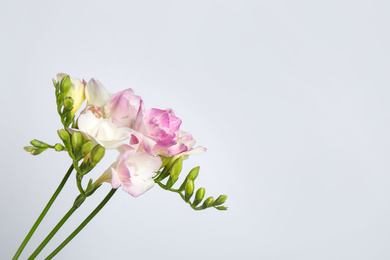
291,98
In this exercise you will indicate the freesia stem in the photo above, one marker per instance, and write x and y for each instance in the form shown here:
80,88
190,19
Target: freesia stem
42,215
82,225
52,233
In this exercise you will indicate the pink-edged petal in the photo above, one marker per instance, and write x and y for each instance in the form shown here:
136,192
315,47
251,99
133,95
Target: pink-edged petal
138,186
115,180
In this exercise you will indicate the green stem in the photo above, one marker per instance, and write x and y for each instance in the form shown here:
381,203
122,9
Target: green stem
82,225
42,215
52,233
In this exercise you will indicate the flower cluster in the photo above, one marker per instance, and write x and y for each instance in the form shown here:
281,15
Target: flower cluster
142,136
150,144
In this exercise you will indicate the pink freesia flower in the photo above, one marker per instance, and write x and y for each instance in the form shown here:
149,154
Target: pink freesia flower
134,172
160,126
123,108
184,146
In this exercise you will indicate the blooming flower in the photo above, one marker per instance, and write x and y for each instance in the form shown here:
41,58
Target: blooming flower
133,171
101,130
123,108
161,126
184,146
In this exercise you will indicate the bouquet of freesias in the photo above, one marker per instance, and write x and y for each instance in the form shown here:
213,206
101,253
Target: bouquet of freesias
151,149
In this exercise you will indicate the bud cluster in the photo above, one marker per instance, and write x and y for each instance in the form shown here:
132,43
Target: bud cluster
64,102
172,167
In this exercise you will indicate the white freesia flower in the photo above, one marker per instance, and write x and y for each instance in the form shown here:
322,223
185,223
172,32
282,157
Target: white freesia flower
102,131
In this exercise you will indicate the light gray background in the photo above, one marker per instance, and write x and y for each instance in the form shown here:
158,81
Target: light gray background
291,98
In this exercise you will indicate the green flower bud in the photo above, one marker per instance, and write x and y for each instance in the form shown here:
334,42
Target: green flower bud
59,147
189,190
68,103
199,196
39,144
165,161
86,147
63,134
77,140
176,168
193,173
37,151
220,200
29,148
97,154
208,202
65,84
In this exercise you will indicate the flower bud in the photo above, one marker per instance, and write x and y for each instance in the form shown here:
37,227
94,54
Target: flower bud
208,202
29,148
63,134
39,144
59,147
199,196
86,147
65,84
34,150
165,161
220,200
193,173
189,190
176,168
97,154
68,103
77,140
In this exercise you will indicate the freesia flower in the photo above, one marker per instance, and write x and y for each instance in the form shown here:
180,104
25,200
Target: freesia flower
161,126
101,130
123,108
184,146
134,171
76,91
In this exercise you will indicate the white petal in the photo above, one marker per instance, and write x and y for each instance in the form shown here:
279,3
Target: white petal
96,93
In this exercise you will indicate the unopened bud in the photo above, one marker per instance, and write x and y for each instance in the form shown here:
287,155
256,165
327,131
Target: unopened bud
68,103
165,161
199,196
220,200
37,151
189,190
65,84
97,154
59,147
176,168
39,144
29,148
208,202
63,134
193,173
77,140
86,147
